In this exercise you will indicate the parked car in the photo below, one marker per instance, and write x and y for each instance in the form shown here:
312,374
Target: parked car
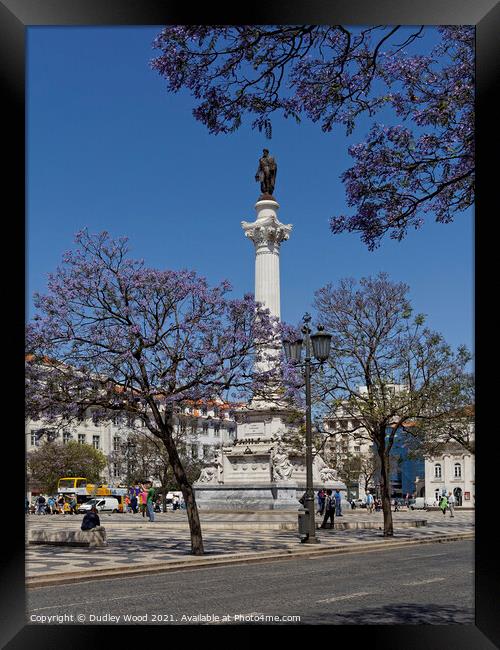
417,504
103,504
359,503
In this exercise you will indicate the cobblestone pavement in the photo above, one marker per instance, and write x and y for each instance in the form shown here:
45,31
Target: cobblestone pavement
134,542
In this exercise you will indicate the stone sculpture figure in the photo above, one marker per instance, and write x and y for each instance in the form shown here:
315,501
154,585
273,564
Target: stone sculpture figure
282,467
208,475
213,473
324,472
219,465
266,172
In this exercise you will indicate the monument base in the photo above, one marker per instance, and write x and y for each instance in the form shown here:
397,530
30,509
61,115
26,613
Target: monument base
279,495
240,496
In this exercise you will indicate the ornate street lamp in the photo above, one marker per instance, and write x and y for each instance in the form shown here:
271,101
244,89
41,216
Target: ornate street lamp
320,344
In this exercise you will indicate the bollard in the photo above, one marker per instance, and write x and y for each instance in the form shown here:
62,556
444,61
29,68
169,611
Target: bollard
303,524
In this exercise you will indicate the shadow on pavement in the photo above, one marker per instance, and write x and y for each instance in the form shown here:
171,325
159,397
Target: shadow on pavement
402,614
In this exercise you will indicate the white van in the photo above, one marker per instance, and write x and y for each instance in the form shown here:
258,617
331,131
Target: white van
103,504
418,503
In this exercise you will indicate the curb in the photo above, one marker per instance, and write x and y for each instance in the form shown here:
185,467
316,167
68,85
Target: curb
233,559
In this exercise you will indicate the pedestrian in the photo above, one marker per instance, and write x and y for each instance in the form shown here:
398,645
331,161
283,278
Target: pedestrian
176,502
133,503
329,509
338,503
353,504
72,505
443,504
91,519
142,500
26,505
369,502
127,503
150,501
51,502
321,501
451,504
60,504
40,504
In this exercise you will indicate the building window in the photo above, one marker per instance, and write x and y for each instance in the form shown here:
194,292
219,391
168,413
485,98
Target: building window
206,451
116,443
96,441
194,451
357,448
116,470
34,438
458,470
66,437
437,471
81,438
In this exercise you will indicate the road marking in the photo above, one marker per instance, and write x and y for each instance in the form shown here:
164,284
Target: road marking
345,597
98,600
422,582
411,557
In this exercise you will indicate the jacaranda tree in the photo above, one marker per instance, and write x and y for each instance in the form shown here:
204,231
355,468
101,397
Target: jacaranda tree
387,370
114,336
332,75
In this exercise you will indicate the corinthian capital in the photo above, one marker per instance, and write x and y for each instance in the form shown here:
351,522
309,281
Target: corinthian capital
266,231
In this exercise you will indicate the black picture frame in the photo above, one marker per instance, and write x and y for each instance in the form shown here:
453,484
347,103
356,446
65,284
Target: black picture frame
15,17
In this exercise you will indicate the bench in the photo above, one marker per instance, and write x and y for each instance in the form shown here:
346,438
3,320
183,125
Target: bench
94,537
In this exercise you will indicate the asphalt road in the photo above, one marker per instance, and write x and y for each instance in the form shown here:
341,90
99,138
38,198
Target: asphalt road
418,584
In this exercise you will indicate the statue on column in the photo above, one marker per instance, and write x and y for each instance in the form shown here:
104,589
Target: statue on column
266,173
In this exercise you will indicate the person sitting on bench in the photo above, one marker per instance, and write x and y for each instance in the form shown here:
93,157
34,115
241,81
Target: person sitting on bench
91,519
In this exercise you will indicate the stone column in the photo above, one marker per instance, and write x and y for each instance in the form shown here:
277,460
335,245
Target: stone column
267,233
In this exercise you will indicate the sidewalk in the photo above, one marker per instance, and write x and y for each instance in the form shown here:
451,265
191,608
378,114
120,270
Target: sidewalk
136,545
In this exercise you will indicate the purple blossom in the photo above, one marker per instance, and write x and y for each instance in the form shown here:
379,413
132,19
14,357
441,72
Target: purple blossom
332,75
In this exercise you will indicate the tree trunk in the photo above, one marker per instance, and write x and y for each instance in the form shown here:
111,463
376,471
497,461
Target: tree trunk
188,494
163,481
385,490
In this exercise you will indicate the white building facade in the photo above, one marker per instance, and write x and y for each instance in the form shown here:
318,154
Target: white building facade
202,429
452,471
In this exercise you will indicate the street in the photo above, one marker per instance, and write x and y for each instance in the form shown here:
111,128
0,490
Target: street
418,584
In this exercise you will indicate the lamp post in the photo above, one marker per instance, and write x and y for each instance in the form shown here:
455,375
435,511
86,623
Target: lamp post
319,345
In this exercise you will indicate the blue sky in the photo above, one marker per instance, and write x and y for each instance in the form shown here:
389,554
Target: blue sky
110,149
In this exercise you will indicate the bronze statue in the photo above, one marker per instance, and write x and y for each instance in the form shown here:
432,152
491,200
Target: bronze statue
266,173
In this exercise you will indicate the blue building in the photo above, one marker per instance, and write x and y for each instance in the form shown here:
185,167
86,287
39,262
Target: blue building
404,470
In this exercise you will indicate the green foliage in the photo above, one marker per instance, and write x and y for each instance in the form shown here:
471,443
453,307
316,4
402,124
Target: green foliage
54,460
